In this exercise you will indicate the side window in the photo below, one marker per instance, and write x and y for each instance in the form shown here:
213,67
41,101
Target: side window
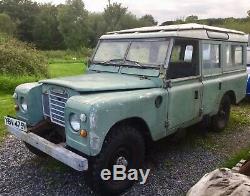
188,53
238,55
234,55
211,56
184,59
229,59
177,53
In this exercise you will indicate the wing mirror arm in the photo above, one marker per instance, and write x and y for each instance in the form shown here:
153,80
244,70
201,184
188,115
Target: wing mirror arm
89,62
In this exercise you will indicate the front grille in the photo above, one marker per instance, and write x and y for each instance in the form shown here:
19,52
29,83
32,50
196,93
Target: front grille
54,105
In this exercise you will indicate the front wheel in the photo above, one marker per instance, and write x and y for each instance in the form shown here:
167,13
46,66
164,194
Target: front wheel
123,146
220,120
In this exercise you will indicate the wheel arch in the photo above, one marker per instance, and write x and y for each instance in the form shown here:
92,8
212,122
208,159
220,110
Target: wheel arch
136,122
232,96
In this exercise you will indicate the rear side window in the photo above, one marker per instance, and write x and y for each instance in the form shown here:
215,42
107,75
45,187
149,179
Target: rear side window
211,56
234,55
238,55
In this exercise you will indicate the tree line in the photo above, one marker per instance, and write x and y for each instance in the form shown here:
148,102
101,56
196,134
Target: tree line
71,26
241,24
64,26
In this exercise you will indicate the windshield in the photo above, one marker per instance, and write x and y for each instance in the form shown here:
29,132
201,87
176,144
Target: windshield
139,53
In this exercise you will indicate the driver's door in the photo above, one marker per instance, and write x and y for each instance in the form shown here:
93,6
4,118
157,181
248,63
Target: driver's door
185,89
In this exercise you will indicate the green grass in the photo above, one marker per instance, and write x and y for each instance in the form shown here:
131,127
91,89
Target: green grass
58,69
9,83
235,158
240,115
6,107
67,56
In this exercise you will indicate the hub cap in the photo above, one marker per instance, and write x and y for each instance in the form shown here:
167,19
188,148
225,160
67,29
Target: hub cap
122,161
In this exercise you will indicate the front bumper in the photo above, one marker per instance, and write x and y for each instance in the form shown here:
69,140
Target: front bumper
56,151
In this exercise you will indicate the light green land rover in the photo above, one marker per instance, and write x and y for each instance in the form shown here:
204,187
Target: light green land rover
142,84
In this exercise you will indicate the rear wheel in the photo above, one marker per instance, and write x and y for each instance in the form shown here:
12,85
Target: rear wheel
124,146
220,120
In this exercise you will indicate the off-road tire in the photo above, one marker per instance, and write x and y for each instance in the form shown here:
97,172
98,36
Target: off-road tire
220,120
35,151
124,141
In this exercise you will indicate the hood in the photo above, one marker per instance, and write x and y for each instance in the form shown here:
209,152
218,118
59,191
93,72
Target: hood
102,82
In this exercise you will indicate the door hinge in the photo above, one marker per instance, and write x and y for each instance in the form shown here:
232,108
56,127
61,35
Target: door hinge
166,124
200,111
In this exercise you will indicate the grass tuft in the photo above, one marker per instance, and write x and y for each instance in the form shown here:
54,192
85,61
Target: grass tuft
235,158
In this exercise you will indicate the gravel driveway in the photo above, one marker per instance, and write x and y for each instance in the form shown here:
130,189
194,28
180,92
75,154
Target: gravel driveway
174,167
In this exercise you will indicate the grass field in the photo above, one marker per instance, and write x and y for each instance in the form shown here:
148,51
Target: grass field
8,84
6,104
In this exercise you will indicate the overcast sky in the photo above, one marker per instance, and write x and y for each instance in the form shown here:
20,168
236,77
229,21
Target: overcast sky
163,10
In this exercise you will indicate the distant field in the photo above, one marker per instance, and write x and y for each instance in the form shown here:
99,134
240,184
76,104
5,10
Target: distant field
8,84
66,69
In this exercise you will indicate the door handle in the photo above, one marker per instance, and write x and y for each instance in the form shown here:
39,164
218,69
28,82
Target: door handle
196,94
220,84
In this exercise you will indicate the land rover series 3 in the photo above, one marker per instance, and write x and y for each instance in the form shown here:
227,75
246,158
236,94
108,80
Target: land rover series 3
142,85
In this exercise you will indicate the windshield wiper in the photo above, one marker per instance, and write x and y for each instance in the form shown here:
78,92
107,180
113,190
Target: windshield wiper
135,62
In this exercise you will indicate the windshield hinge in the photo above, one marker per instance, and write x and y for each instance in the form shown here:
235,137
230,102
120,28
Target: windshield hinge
167,83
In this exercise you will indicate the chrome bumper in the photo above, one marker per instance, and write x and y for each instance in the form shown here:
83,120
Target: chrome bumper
56,151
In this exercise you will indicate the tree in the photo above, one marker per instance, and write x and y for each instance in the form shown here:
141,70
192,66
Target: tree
23,13
7,26
45,31
128,21
97,27
147,20
248,13
72,19
113,15
191,18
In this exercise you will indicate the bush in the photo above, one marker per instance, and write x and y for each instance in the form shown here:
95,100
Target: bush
9,83
21,59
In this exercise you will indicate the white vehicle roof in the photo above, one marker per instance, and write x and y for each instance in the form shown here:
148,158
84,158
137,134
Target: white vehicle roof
191,30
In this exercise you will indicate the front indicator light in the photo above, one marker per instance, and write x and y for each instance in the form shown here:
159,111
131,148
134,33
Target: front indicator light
83,133
16,107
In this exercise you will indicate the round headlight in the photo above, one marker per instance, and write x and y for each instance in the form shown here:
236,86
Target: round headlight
75,122
24,104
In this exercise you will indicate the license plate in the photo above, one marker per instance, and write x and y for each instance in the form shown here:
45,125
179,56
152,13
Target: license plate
14,123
